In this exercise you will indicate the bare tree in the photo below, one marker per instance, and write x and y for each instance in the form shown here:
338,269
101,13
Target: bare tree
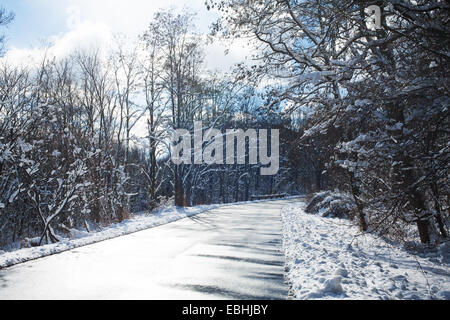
182,53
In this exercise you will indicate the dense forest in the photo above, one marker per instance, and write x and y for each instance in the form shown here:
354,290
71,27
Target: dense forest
362,112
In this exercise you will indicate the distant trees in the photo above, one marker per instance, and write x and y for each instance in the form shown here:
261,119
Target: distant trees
377,98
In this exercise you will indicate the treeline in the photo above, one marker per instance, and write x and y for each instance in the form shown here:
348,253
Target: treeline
374,101
85,139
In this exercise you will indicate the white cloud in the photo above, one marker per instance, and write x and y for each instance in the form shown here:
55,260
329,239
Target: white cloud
238,50
85,36
92,24
74,17
132,16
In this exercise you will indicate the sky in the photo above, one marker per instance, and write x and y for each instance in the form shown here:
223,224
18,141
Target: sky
68,24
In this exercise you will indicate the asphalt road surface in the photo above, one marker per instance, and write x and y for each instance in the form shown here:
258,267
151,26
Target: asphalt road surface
233,252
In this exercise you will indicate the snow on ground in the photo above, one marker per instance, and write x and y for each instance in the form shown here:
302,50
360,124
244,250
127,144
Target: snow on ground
328,258
83,238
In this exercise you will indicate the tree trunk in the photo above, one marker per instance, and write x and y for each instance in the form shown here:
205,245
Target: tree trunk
360,208
179,194
424,232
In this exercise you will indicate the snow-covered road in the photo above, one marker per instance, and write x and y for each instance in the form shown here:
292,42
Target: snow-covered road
229,252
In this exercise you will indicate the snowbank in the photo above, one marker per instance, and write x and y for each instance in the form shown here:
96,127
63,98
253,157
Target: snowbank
332,204
82,238
329,259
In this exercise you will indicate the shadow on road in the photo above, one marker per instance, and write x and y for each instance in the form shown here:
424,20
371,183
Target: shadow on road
3,281
239,259
215,290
